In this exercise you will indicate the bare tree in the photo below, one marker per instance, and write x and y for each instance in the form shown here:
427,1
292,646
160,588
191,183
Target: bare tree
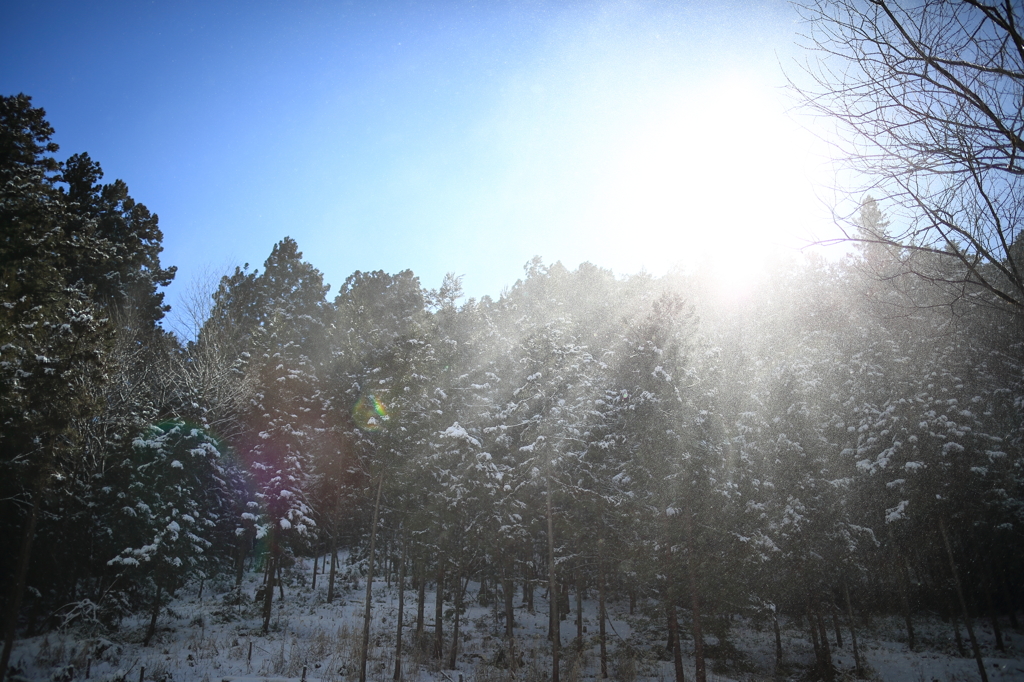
212,373
927,98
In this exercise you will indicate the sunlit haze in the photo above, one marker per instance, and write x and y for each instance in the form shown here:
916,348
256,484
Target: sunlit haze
437,136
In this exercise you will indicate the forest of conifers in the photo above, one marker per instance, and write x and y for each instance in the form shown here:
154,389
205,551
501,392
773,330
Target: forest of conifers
844,438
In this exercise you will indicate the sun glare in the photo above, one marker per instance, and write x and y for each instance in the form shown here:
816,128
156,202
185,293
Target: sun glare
714,182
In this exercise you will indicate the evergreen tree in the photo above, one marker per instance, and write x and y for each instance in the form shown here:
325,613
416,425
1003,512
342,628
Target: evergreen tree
285,421
171,494
52,337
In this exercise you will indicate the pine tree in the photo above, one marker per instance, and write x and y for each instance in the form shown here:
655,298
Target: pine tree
52,334
285,420
171,494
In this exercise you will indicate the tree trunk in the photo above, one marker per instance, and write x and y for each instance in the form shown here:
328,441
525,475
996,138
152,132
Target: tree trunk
333,573
494,598
457,598
401,617
421,598
700,667
601,615
439,612
963,602
993,615
268,586
508,587
815,640
152,618
835,626
367,611
853,633
901,569
673,635
528,586
1009,598
244,541
955,620
18,587
828,671
453,651
778,637
316,558
555,623
579,610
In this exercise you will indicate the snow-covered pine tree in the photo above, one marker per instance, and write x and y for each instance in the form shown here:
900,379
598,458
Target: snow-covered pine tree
52,338
169,494
285,420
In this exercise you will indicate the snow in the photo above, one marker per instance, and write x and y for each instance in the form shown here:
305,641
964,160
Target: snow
896,513
210,639
952,448
456,431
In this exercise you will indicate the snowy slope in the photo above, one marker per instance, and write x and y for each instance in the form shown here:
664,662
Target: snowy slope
208,640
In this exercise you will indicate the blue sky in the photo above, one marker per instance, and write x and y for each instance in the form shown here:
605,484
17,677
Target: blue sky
436,136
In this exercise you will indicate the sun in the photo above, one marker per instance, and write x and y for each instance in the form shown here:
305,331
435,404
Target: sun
716,180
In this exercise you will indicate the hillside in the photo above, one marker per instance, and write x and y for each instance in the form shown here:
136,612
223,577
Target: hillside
211,639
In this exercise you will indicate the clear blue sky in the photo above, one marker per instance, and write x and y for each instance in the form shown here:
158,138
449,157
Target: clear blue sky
436,136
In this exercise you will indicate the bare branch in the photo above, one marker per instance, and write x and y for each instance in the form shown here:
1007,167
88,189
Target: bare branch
928,100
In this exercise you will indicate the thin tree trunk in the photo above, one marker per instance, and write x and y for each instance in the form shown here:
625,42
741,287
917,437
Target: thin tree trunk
700,667
528,586
1009,598
401,617
280,577
421,597
439,612
955,620
778,637
508,586
33,618
901,568
494,598
457,598
822,631
904,588
963,602
815,640
334,567
244,541
602,614
835,626
828,671
579,610
555,623
673,635
268,586
315,559
152,618
368,608
453,652
18,587
993,615
853,633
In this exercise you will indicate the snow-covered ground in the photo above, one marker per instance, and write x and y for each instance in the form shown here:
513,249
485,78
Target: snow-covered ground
209,639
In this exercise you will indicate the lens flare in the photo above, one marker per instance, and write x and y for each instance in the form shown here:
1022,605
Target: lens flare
370,413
